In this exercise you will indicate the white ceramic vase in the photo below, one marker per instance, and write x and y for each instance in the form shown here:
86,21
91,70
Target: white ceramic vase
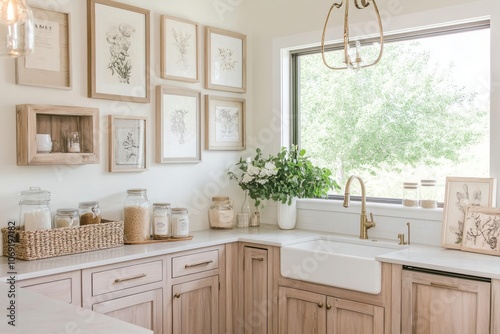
287,215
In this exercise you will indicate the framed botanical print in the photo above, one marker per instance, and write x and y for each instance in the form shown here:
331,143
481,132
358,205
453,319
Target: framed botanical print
460,193
118,51
481,230
225,60
127,144
178,128
225,123
179,49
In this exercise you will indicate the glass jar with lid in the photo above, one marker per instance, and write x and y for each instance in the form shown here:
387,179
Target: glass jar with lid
34,210
428,194
221,213
90,213
410,194
161,221
67,218
180,223
136,216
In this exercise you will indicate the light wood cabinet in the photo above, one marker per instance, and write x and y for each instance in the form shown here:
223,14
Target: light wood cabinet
442,304
65,287
303,311
131,291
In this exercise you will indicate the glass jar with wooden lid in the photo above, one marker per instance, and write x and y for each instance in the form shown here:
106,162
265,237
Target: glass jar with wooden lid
221,213
136,216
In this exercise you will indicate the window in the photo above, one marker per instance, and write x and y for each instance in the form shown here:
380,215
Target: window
421,113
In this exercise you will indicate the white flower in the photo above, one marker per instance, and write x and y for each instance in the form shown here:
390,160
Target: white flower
252,170
249,160
269,169
261,181
247,178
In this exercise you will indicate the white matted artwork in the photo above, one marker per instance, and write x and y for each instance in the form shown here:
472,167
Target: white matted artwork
460,193
127,139
178,125
225,123
225,57
482,230
119,51
179,49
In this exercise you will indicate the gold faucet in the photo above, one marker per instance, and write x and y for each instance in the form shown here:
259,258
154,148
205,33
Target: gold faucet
364,223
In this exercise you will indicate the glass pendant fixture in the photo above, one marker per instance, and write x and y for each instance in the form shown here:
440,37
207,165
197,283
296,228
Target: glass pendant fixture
17,35
352,58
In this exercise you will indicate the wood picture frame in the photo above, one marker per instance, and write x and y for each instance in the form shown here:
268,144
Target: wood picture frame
225,60
50,64
127,143
481,230
119,50
460,193
178,125
225,123
179,40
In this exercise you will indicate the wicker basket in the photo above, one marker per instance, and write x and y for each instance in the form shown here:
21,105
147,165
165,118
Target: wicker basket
34,245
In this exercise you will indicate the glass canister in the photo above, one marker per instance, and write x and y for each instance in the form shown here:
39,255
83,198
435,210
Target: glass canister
180,223
410,194
34,210
136,216
221,213
428,194
90,213
67,218
161,220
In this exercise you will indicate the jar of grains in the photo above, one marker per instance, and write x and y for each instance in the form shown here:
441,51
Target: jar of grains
90,213
221,213
136,216
428,194
161,220
180,223
66,218
410,194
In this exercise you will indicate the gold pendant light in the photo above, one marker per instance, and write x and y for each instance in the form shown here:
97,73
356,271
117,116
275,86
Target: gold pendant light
16,28
352,61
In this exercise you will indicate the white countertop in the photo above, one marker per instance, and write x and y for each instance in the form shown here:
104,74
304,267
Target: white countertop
35,314
435,258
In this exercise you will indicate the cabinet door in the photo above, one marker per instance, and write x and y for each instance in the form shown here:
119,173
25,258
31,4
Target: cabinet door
301,312
142,309
345,316
440,304
195,306
255,282
65,287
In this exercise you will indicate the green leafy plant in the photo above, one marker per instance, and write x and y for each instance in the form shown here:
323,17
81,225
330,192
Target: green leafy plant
282,177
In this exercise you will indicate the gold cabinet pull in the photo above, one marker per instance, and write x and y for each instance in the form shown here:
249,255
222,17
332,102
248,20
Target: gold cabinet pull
328,306
320,305
177,295
259,259
119,280
444,286
198,264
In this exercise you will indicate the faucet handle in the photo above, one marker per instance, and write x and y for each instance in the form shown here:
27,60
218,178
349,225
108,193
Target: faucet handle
371,217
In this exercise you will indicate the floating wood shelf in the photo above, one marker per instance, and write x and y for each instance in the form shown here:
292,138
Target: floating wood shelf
59,122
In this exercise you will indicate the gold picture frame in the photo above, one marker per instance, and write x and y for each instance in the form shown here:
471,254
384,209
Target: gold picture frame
50,64
127,143
225,123
225,60
119,50
179,40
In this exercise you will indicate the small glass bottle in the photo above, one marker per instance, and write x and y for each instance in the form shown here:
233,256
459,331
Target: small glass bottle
428,194
180,223
136,216
34,210
90,213
221,213
410,194
73,143
67,218
244,214
161,221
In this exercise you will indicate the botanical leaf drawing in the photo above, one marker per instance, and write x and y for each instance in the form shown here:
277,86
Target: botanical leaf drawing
128,145
179,127
119,39
464,200
226,61
181,41
484,230
227,120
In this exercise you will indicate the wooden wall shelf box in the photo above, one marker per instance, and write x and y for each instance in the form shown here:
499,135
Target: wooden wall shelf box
59,122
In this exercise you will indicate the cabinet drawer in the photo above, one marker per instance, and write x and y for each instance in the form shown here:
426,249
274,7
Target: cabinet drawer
126,277
195,263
